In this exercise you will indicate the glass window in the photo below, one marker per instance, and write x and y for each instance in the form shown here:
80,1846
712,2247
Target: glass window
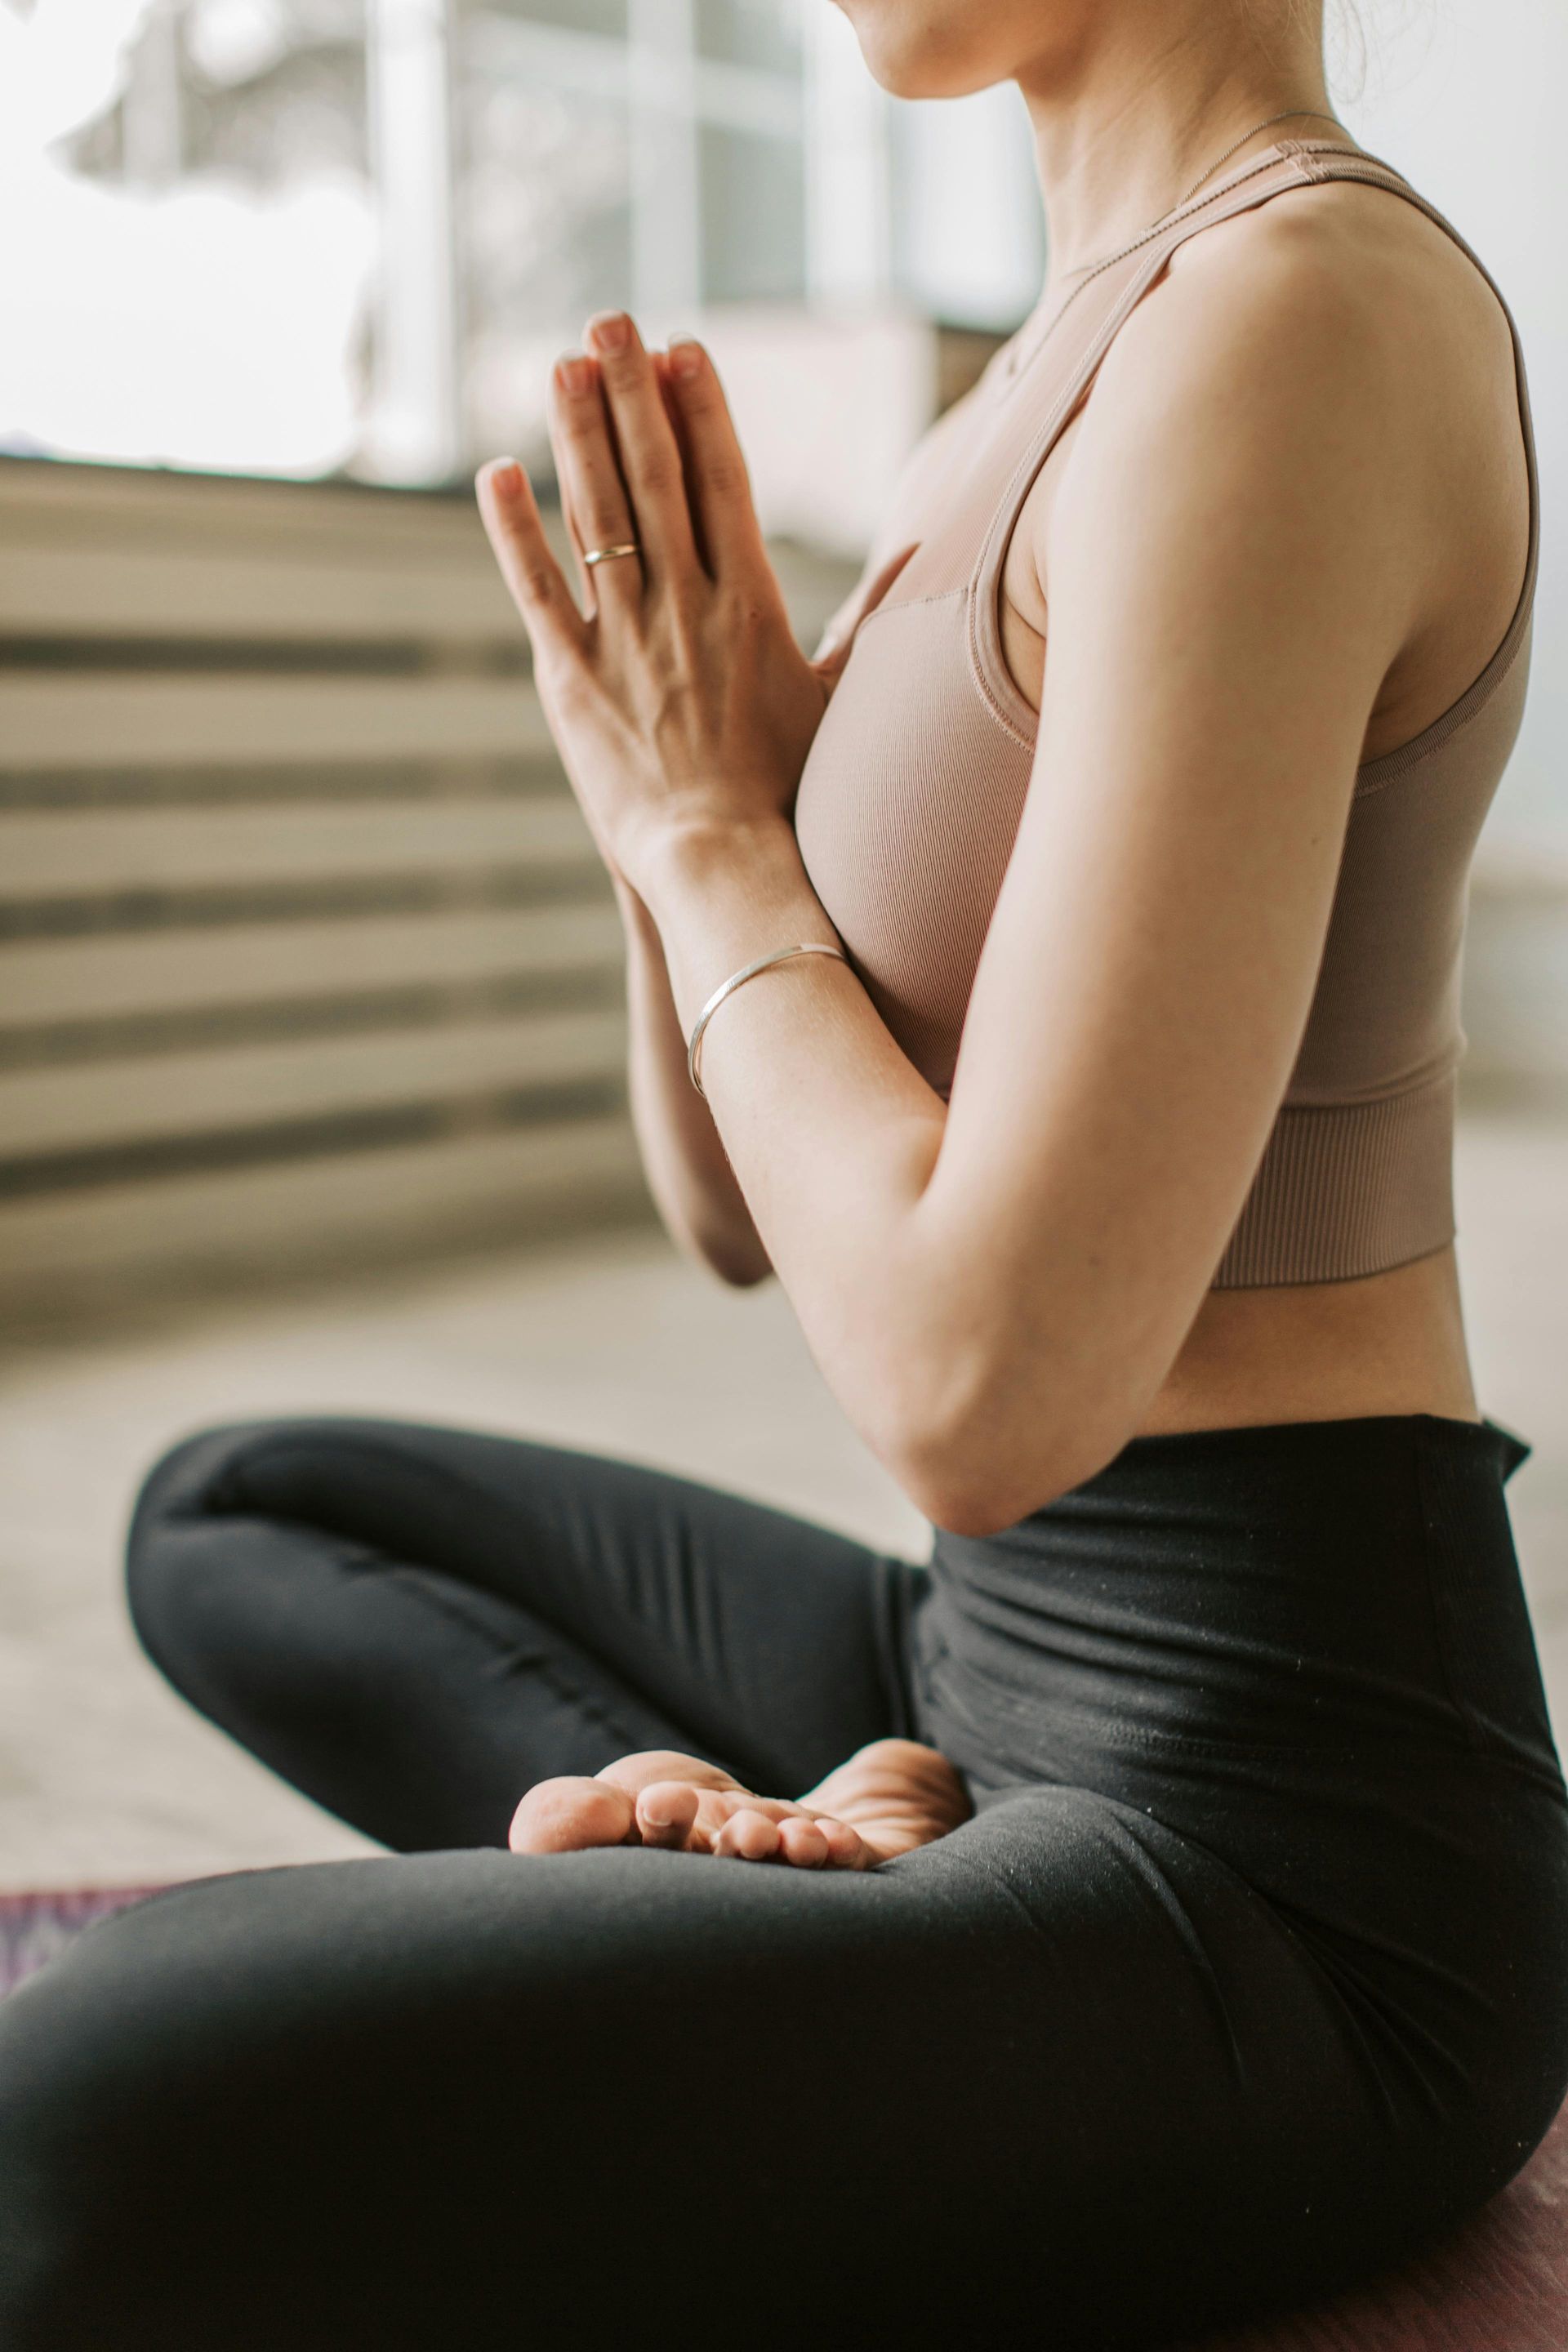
270,90
664,169
607,18
544,215
303,235
753,218
199,231
762,33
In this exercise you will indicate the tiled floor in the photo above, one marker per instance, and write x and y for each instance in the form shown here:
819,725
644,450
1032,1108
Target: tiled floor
105,1776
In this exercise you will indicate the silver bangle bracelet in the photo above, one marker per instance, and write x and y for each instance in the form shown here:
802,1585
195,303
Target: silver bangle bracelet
738,980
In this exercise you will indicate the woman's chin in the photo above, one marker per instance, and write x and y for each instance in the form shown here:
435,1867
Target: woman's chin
911,53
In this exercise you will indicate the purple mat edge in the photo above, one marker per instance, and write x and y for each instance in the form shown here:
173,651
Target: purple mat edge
37,1923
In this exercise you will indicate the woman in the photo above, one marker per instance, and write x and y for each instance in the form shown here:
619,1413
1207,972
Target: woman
1176,1923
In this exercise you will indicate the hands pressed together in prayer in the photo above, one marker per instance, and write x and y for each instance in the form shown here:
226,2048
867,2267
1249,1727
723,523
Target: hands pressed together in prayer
679,698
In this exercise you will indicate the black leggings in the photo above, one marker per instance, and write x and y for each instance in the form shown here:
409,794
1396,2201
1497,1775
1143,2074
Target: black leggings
1245,1978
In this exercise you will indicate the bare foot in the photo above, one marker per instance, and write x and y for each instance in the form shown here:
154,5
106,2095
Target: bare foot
887,1798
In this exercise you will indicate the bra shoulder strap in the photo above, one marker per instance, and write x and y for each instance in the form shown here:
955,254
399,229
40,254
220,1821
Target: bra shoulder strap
1136,266
1323,161
1291,164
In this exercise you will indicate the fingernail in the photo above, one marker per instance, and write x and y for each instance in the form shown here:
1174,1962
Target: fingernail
505,476
685,355
610,331
575,373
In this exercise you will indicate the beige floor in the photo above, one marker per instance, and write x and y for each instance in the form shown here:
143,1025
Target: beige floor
103,1775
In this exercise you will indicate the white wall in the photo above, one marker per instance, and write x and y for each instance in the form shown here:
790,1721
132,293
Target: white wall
828,410
969,243
1467,97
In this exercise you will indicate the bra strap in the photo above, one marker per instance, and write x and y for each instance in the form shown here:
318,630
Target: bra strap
1293,164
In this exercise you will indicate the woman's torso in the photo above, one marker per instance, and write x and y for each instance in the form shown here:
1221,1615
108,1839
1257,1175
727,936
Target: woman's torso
1329,1304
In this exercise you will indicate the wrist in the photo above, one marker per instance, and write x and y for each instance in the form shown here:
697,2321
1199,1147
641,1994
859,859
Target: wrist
638,925
752,862
723,896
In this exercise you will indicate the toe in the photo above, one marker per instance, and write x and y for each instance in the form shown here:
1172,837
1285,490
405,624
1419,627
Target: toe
802,1843
651,1764
847,1850
748,1837
564,1816
666,1811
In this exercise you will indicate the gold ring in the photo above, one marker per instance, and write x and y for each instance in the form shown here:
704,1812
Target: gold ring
591,555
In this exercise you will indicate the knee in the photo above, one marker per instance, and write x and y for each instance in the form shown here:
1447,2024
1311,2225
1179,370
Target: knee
195,1477
168,1556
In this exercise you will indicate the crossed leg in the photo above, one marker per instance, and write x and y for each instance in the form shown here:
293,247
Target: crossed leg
416,1626
1057,2077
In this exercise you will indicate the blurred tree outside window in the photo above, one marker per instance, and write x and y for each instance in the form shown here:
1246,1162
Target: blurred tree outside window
189,231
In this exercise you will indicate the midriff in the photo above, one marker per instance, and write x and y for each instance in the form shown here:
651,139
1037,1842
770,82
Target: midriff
1387,1343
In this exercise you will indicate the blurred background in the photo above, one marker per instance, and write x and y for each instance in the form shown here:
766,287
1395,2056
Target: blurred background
311,1029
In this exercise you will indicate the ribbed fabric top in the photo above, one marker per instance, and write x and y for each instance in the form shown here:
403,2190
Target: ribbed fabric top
911,797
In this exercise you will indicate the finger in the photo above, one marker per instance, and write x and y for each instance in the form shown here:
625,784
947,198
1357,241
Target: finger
592,491
748,1837
800,1842
720,486
678,427
650,453
585,597
665,1814
672,405
527,561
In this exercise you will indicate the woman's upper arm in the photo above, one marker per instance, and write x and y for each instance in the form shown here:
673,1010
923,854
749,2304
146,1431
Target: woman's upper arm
1229,579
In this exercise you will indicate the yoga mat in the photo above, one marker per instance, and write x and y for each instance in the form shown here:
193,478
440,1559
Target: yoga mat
34,1927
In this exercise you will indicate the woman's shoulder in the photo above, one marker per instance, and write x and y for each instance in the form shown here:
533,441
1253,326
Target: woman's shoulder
1346,281
1334,306
1266,339
1382,241
1333,371
1336,320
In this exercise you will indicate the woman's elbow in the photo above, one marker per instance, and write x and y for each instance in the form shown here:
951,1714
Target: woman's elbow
964,1498
737,1269
737,1258
709,1235
976,1472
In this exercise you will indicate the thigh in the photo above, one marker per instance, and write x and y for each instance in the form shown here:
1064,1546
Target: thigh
1058,2079
772,1645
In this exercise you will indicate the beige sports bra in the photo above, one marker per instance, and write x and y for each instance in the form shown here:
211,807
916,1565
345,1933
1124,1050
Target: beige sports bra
912,793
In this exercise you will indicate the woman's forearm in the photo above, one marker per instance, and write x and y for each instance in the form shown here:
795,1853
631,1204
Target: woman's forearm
688,1172
834,1133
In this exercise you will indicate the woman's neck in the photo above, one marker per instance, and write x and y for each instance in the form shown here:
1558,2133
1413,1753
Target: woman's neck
1122,130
